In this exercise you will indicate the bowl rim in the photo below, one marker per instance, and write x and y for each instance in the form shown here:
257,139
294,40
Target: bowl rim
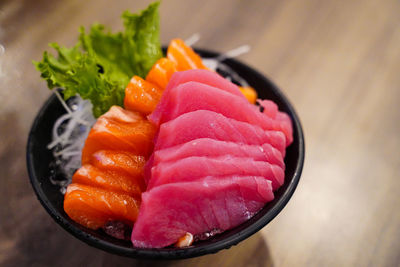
188,252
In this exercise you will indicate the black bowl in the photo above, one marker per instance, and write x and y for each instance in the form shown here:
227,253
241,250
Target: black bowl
39,159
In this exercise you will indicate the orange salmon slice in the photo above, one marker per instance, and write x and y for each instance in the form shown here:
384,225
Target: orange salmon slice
120,129
141,95
92,207
109,180
161,72
184,56
119,161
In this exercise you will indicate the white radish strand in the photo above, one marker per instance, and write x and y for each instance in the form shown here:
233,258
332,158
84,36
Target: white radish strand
62,102
192,39
213,63
56,138
68,138
69,110
233,75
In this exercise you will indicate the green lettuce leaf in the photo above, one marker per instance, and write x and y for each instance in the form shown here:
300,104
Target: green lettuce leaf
101,64
146,34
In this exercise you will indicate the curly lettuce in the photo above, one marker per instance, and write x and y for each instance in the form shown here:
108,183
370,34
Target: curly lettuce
101,64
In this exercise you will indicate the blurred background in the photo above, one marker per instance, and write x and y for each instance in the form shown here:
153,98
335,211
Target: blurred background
337,61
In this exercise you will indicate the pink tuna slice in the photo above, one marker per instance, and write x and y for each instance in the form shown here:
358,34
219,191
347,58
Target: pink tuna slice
213,148
208,124
169,211
147,169
192,168
270,108
197,75
193,96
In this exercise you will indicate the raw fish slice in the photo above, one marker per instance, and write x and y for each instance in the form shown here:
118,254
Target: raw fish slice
197,75
147,169
108,180
210,218
213,148
277,140
141,96
92,207
208,124
193,168
193,96
249,93
161,72
184,56
253,198
273,155
283,117
204,77
119,161
120,129
169,211
269,108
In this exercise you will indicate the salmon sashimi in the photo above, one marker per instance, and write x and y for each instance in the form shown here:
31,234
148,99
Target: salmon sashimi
249,93
109,180
161,72
141,95
184,56
92,207
119,161
108,186
120,129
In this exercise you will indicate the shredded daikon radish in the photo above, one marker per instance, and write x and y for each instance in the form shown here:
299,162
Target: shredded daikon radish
192,39
217,64
68,138
213,63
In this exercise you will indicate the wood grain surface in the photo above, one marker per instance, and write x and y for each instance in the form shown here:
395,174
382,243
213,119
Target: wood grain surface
337,61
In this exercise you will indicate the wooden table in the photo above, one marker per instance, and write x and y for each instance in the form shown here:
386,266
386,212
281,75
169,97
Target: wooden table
337,61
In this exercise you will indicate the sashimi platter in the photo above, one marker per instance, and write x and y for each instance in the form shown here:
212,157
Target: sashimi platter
156,152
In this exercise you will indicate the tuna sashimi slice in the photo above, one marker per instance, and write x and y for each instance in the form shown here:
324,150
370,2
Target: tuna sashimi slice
193,96
192,168
147,168
169,211
209,124
196,75
213,148
269,108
